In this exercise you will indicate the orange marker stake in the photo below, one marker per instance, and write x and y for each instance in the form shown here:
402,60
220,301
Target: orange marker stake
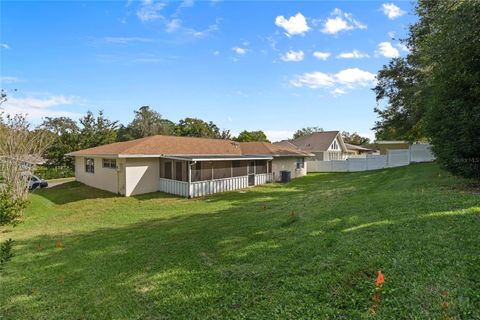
380,279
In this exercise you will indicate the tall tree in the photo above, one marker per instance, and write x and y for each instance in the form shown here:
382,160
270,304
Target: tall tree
148,122
97,131
64,134
193,127
354,138
247,136
401,119
306,131
434,92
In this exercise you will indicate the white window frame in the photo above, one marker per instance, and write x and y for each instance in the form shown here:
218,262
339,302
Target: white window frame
300,164
109,163
90,168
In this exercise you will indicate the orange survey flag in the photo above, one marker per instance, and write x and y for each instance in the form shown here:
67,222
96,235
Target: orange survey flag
380,279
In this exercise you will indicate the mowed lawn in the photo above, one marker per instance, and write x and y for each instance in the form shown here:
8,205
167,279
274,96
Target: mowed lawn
308,249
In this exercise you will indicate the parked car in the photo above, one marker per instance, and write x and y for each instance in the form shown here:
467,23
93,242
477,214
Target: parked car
35,182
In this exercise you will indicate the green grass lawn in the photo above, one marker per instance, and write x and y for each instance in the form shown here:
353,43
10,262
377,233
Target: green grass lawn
242,255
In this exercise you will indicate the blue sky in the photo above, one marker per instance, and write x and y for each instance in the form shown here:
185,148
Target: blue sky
274,66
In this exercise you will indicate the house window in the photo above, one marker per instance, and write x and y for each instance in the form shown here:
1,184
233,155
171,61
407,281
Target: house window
168,170
300,163
335,145
89,165
109,163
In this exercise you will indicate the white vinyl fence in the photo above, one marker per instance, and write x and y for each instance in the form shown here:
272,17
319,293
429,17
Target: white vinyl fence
394,158
421,152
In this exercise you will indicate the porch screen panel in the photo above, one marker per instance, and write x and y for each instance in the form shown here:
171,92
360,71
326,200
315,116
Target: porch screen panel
197,172
239,168
222,169
167,171
261,166
179,171
206,170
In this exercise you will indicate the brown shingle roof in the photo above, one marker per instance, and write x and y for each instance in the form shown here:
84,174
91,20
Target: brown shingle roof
183,146
258,148
355,147
315,142
168,145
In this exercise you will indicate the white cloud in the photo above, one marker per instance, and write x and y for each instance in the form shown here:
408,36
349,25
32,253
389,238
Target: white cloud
341,21
392,11
391,34
240,51
39,107
216,53
4,46
294,25
293,56
355,54
314,80
187,3
341,81
278,135
9,80
321,55
387,50
354,77
338,92
173,25
202,33
149,10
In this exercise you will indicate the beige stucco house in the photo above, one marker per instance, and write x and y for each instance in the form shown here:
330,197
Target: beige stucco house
185,166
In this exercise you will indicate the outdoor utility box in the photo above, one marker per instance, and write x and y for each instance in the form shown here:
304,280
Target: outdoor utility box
285,176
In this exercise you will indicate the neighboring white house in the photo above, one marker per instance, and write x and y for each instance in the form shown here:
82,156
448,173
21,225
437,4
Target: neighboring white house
185,166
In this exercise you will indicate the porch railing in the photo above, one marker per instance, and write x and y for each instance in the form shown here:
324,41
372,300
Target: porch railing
207,187
204,188
263,178
174,187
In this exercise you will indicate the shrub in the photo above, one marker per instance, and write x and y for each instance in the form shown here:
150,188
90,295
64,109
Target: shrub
46,172
6,251
11,207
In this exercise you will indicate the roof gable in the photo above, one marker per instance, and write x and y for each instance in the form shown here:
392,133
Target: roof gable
318,142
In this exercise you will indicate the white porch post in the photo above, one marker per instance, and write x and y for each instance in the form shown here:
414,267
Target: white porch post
189,163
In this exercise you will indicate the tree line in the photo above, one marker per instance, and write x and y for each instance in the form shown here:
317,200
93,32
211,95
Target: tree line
95,130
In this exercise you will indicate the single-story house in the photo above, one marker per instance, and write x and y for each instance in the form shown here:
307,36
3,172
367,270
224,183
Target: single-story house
385,145
185,166
356,150
325,146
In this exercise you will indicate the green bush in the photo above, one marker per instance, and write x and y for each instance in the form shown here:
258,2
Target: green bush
5,251
46,172
10,208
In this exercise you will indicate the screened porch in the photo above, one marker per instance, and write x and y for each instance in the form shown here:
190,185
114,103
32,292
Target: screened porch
190,177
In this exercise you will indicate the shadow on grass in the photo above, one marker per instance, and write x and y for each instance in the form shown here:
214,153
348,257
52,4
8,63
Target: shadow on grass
239,253
225,263
73,191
